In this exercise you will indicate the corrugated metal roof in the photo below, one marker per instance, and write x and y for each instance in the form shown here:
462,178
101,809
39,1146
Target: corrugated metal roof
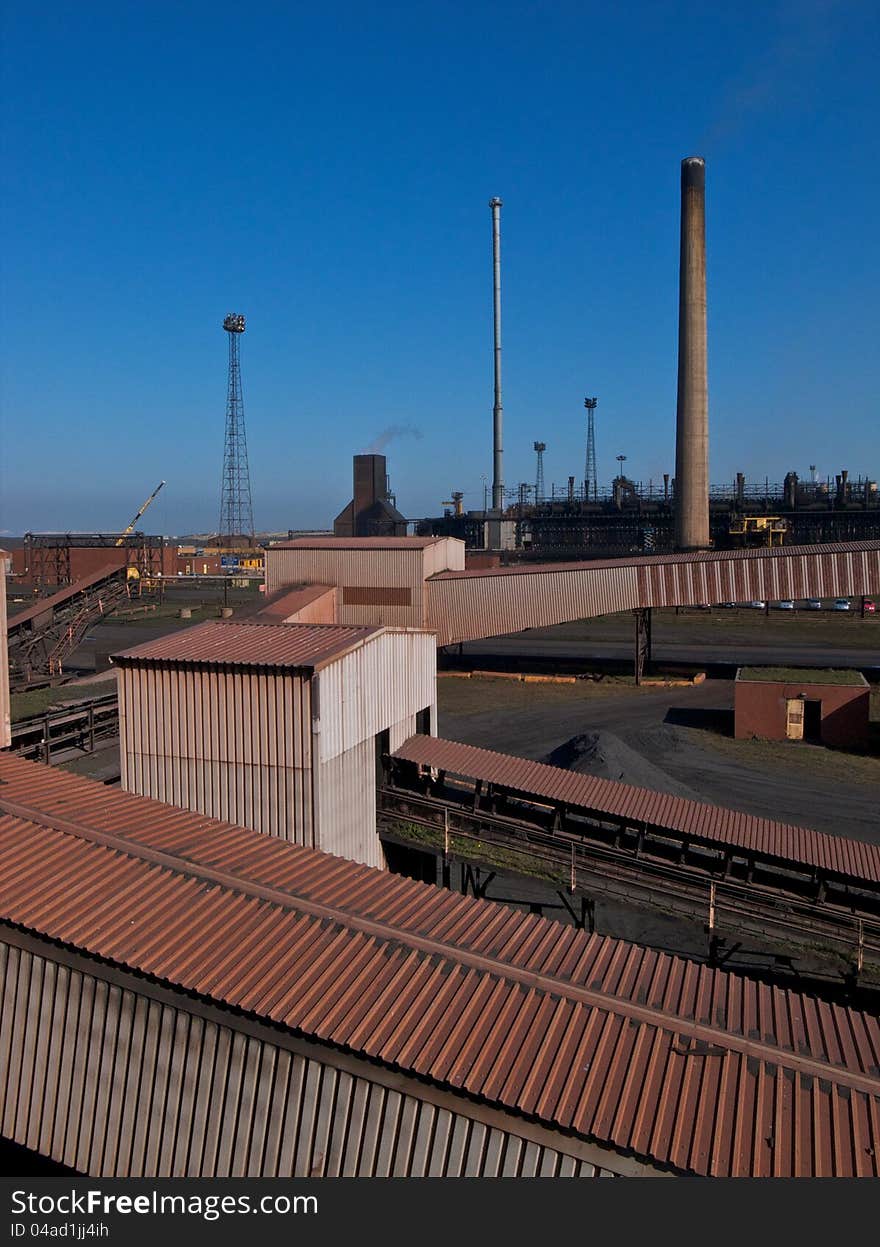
288,601
609,798
358,543
699,1069
232,644
63,595
666,560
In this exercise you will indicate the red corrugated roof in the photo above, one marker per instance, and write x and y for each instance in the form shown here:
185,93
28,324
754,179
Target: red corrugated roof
232,644
696,819
663,560
357,543
682,1065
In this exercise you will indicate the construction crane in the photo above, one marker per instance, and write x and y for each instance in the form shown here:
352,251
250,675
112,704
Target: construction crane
123,535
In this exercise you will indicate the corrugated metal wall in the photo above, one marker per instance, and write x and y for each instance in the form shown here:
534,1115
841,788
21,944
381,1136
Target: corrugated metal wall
5,736
243,745
113,1083
370,567
234,744
828,573
378,685
466,608
445,556
345,799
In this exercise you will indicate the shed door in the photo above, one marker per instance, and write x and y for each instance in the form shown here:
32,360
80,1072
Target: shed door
794,718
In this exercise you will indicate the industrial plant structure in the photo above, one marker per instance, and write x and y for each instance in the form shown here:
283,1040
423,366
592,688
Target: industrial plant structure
184,996
236,510
275,727
581,519
825,707
371,512
380,580
423,582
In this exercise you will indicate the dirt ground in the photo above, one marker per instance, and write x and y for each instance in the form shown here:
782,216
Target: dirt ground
678,740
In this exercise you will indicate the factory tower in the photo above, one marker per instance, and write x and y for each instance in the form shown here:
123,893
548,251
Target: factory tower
692,420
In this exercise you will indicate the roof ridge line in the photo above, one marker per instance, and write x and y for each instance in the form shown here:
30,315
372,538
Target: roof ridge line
592,997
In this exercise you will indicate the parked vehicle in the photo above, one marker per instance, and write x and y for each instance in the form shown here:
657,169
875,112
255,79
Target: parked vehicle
870,606
729,606
785,605
757,605
814,604
841,604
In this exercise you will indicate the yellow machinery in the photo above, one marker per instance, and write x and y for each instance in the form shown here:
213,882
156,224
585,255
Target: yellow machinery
759,530
130,528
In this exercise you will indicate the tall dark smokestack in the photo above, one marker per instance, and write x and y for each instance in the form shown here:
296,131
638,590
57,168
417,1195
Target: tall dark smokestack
497,450
692,420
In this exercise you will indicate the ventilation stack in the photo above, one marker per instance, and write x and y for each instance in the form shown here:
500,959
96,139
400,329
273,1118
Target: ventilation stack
692,420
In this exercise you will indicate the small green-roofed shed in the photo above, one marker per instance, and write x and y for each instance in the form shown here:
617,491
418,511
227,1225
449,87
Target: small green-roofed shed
825,706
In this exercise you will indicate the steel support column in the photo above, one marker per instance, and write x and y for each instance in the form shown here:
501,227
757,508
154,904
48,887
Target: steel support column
642,642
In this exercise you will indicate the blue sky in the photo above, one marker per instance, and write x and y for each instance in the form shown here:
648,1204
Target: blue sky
326,170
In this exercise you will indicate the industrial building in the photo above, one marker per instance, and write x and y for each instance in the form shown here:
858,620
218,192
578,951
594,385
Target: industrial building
825,707
5,736
188,998
372,511
422,582
578,520
380,579
275,727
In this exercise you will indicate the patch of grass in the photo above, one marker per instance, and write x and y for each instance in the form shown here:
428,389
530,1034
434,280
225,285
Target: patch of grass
819,627
484,693
824,764
38,700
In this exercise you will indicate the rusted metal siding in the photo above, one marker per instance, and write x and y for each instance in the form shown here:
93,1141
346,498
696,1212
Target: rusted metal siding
5,735
233,744
491,602
611,799
113,1083
649,1055
249,644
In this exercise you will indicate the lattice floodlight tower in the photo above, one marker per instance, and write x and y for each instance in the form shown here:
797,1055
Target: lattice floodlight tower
591,487
540,447
236,512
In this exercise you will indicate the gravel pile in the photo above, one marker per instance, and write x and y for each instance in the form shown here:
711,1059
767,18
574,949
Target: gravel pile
608,757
